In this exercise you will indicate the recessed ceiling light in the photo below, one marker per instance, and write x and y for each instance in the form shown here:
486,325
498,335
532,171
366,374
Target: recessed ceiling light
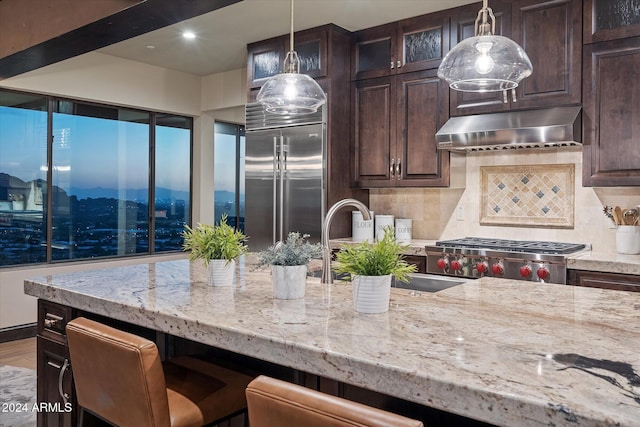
190,35
150,46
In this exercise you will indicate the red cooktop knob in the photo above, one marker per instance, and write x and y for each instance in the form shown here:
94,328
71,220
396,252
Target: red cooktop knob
525,271
543,273
442,263
482,267
456,265
497,268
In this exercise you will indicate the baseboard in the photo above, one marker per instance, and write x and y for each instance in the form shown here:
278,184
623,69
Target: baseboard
19,332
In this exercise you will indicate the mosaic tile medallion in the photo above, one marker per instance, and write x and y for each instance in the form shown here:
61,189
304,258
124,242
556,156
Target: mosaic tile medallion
527,195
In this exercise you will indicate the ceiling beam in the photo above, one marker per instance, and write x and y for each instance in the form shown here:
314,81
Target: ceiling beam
133,21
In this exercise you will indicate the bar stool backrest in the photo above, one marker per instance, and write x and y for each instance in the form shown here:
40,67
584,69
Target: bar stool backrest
118,375
275,403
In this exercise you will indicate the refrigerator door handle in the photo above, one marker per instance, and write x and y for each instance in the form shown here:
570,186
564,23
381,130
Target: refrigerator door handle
276,172
282,160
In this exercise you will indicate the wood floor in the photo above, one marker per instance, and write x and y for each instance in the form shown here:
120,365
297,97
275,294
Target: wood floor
21,353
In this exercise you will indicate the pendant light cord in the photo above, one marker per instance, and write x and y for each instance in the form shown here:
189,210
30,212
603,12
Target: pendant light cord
291,47
291,61
485,24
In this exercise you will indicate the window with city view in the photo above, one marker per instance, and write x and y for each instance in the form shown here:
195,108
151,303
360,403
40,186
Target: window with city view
172,180
111,182
229,150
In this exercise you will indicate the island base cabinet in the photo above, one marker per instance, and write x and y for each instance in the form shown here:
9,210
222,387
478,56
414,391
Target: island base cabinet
595,279
56,407
428,416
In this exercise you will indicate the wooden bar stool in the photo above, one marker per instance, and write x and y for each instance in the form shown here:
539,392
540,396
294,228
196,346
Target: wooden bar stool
120,378
275,403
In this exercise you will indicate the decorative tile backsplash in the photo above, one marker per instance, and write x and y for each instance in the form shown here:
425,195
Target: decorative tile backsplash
527,195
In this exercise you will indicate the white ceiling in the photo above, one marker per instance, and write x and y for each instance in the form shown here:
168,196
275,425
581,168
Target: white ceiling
222,35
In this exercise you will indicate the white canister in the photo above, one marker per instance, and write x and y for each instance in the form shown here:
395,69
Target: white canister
628,239
403,230
382,222
361,230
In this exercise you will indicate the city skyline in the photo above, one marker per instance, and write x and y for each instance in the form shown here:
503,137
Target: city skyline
79,138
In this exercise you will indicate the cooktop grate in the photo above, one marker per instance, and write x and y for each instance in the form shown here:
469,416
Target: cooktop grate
531,246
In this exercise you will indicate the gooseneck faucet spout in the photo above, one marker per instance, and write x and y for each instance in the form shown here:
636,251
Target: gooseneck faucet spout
327,277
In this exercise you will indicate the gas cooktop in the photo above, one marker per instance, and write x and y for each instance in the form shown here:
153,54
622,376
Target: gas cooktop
475,257
530,246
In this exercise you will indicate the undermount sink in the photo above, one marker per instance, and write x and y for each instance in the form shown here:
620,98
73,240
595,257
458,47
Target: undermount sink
429,282
336,276
419,282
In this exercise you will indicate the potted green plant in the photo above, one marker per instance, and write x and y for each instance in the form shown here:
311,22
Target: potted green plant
371,267
288,261
218,246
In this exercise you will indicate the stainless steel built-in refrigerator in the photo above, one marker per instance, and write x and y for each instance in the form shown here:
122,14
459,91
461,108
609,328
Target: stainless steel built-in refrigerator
284,176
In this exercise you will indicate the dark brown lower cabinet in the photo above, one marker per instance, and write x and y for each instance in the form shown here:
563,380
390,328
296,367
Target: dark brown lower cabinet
595,279
419,261
55,397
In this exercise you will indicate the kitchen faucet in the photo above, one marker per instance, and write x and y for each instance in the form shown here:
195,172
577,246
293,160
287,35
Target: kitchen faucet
326,226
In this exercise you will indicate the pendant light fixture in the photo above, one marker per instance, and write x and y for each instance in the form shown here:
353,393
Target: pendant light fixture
486,62
291,93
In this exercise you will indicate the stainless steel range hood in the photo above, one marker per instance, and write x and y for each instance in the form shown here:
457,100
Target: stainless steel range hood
547,128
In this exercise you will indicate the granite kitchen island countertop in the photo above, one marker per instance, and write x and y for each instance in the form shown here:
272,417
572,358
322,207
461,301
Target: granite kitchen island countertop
506,352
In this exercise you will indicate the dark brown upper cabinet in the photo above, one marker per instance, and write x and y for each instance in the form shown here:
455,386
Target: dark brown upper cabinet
412,44
311,47
611,123
266,58
395,119
610,19
550,32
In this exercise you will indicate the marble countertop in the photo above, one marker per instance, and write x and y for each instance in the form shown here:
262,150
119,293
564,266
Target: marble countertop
506,352
607,262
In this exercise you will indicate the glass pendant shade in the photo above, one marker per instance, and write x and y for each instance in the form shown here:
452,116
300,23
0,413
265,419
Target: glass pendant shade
485,64
291,93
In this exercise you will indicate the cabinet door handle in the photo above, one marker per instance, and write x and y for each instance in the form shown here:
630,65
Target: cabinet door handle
505,97
392,65
51,320
392,167
65,396
399,169
63,369
513,95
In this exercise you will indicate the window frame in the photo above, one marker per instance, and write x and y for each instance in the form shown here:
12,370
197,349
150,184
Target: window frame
48,204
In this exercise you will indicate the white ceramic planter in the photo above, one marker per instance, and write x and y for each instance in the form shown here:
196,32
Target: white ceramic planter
371,293
221,272
289,281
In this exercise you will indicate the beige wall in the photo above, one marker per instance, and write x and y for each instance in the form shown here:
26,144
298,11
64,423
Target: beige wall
16,308
104,78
